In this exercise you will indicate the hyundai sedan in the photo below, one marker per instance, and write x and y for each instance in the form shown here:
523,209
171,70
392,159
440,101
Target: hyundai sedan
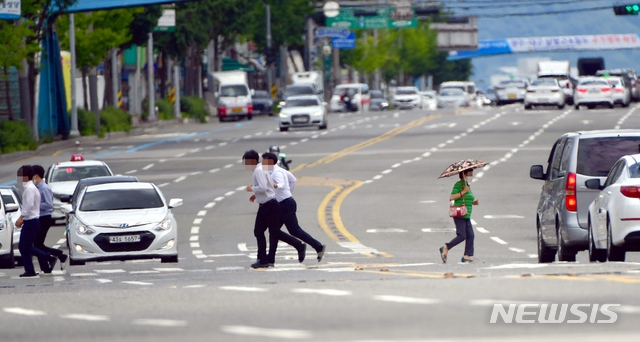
544,91
593,91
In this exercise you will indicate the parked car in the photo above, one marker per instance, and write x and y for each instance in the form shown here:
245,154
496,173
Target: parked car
378,102
614,215
511,91
544,91
593,91
621,94
262,102
563,209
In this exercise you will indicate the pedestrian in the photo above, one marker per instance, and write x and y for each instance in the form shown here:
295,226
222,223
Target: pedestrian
29,221
46,208
284,182
462,195
268,214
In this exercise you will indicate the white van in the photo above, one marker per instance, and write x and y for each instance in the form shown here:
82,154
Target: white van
361,97
466,86
232,93
309,77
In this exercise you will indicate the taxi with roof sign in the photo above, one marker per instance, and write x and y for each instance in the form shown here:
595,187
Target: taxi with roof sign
63,177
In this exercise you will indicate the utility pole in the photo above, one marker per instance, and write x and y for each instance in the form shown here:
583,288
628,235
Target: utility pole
269,80
136,90
151,78
309,44
74,103
377,75
176,91
114,77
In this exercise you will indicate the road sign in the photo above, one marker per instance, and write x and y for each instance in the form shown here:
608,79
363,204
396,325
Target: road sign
10,10
167,22
344,43
386,18
331,32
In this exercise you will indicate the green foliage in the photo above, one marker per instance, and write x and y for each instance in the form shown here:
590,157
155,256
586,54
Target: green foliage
12,47
287,22
165,109
115,120
15,136
86,122
193,107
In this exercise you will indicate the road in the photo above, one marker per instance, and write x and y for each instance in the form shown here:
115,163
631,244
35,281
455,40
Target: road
368,188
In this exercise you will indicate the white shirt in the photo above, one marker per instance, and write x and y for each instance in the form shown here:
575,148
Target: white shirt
285,181
31,202
262,185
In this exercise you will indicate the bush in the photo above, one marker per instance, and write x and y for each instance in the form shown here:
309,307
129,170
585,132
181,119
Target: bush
86,122
193,107
16,136
165,109
115,120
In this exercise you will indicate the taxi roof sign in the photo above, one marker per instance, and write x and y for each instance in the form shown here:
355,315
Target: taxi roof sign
77,157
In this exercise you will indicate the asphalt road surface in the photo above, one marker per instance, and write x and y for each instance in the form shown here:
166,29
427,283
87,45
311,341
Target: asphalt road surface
368,188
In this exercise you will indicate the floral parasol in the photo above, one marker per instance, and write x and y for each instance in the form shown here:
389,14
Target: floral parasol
460,166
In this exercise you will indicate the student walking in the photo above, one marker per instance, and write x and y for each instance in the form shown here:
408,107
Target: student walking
284,183
268,214
29,221
46,208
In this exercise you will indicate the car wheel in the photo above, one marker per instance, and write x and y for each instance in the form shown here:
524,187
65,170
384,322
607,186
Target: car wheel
8,261
324,125
595,254
612,105
249,117
561,106
577,107
221,119
171,259
614,253
625,105
528,107
545,254
284,129
270,114
564,253
75,262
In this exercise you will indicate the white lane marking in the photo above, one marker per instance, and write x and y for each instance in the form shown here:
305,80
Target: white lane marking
426,154
83,274
428,201
512,266
229,268
85,317
25,312
194,244
218,199
230,193
386,230
130,172
61,241
247,136
160,322
169,269
104,281
58,278
163,185
377,177
210,205
193,238
199,286
368,181
197,221
195,230
162,160
111,271
197,252
228,166
141,283
438,230
491,302
326,292
517,250
473,222
144,272
226,255
410,300
503,217
243,247
482,230
148,167
304,140
243,288
396,165
498,240
210,147
532,256
358,247
222,143
241,188
180,179
628,309
202,213
214,170
275,333
386,171
195,173
180,155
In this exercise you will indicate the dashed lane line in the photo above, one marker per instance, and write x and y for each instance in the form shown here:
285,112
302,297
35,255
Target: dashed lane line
408,300
244,330
86,317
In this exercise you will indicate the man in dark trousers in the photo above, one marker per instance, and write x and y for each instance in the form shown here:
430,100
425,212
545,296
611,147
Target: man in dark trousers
285,181
46,208
29,221
268,213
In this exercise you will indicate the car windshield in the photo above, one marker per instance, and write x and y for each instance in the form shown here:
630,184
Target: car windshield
461,88
290,91
122,199
233,90
7,199
76,173
593,82
302,103
82,185
544,82
377,95
406,91
451,92
596,156
261,94
342,90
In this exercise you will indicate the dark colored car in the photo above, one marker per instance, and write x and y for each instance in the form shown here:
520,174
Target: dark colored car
262,102
298,90
378,102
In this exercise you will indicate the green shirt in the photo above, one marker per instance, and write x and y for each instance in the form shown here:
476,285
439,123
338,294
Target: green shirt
468,197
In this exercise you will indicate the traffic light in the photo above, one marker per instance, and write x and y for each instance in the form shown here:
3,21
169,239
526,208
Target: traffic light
271,56
631,9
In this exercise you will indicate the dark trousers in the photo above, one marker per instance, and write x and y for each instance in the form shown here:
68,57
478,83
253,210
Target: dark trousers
45,223
288,217
28,235
268,218
464,232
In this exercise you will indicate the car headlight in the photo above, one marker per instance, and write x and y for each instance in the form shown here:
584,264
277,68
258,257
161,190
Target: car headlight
283,116
282,103
386,104
164,225
318,113
3,225
83,229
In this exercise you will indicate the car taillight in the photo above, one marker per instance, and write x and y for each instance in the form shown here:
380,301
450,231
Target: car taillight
630,191
581,90
570,193
531,91
606,90
619,90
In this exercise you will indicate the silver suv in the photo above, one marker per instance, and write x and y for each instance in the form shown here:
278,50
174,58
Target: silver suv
563,209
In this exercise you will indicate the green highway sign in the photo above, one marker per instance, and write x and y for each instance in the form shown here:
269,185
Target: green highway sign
380,18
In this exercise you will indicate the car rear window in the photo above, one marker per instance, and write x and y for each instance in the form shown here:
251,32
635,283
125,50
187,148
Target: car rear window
596,156
634,170
76,173
121,200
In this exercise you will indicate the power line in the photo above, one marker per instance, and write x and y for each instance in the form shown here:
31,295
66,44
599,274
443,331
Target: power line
468,5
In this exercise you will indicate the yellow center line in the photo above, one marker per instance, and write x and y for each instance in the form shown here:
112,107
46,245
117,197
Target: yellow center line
321,213
336,212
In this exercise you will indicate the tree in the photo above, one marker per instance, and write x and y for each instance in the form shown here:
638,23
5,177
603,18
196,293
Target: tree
288,23
13,50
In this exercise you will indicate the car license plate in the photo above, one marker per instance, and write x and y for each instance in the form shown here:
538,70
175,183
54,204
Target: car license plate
236,110
543,99
512,96
299,120
124,238
594,90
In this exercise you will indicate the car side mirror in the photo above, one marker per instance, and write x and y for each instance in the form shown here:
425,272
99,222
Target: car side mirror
67,209
593,184
65,198
537,172
175,202
11,207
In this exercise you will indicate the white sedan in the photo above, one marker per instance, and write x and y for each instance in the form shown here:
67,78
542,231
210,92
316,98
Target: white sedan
621,94
122,221
614,216
593,91
544,91
6,232
11,196
303,111
406,98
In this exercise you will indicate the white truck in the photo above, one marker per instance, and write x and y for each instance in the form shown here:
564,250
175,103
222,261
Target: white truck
232,94
309,77
561,71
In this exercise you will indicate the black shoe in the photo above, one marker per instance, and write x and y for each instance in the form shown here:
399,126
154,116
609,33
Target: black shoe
25,274
51,264
63,259
321,253
302,252
258,264
272,264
